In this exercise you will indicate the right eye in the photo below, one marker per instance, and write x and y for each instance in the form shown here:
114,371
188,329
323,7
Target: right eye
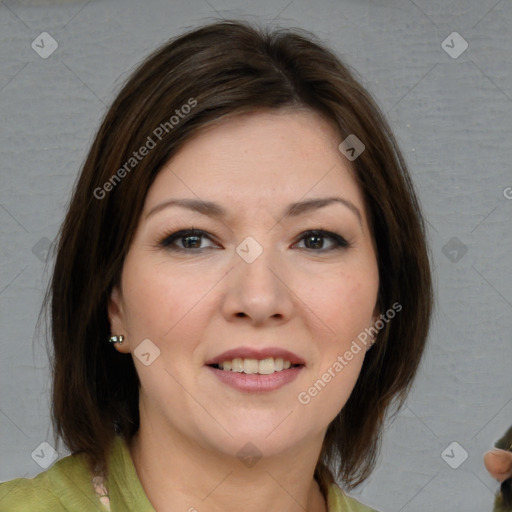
190,240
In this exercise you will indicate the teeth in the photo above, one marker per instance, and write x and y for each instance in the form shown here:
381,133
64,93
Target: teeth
237,365
266,366
249,366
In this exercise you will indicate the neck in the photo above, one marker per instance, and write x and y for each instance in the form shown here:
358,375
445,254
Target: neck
179,474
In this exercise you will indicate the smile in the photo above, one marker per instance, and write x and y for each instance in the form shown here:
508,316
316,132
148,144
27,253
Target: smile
265,366
255,382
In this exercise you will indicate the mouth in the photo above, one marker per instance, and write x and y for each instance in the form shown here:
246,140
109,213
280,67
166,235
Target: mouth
251,366
251,375
262,361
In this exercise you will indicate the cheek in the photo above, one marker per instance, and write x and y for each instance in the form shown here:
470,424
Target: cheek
345,303
160,300
332,386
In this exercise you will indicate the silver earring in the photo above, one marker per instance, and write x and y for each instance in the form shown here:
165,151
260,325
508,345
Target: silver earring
116,339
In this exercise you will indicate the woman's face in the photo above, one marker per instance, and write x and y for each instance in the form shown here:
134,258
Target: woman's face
255,275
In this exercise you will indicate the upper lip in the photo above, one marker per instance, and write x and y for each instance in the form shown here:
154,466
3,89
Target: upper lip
256,353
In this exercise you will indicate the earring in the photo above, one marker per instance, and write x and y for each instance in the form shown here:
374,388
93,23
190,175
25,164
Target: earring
116,339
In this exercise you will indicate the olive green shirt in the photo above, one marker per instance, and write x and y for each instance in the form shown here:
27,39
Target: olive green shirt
68,486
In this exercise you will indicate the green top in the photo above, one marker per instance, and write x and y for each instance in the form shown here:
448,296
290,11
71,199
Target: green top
68,486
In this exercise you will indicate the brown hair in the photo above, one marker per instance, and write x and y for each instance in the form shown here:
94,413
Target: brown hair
225,69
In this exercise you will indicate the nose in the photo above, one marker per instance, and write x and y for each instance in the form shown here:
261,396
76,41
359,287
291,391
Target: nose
259,292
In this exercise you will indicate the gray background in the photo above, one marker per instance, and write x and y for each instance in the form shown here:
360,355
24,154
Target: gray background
453,119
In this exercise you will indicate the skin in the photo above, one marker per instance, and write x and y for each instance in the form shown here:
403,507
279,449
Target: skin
312,301
499,464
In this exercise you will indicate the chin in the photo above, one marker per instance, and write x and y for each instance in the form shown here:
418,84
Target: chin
246,441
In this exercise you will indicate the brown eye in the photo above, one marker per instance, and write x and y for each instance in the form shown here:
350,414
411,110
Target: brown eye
186,239
315,241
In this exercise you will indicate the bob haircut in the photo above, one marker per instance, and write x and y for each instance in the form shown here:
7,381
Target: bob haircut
220,70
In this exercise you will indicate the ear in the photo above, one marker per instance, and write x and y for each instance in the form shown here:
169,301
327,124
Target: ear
117,318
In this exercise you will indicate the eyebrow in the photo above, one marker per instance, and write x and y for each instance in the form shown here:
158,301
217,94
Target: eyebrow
212,209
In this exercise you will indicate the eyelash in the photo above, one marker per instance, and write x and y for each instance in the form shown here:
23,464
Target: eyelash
168,239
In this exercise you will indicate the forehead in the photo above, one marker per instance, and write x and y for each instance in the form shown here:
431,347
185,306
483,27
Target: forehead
264,158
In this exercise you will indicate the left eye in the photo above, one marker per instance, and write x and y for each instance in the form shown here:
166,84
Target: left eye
314,240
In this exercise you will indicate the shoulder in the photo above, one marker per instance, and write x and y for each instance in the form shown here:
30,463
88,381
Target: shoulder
24,494
338,501
66,486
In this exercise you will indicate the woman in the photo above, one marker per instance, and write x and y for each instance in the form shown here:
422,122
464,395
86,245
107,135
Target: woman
245,233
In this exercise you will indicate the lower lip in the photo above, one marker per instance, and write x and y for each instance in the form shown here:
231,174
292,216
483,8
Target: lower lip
254,382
